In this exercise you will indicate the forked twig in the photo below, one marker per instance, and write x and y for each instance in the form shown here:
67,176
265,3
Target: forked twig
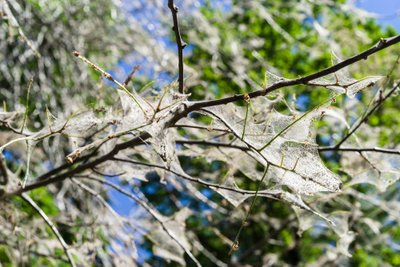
108,77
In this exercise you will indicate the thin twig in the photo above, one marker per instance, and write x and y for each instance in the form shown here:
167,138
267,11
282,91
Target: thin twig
109,77
39,136
96,195
210,129
32,203
292,123
267,238
368,114
245,120
179,42
130,76
207,143
121,220
359,149
27,105
387,79
15,23
235,244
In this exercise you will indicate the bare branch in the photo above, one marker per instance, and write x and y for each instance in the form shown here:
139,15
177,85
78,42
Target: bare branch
217,144
96,195
357,149
200,127
382,44
26,105
179,42
322,148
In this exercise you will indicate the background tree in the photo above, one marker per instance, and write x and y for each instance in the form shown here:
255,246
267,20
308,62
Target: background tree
212,182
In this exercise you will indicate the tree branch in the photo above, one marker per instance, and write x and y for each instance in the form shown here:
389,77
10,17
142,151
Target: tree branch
130,76
179,42
176,125
85,166
382,44
217,144
32,203
357,149
322,148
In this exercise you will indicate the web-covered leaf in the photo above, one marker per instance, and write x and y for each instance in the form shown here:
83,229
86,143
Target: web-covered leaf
340,82
10,117
297,202
380,170
234,198
288,144
133,116
341,76
303,171
353,89
270,79
164,145
346,236
126,171
166,247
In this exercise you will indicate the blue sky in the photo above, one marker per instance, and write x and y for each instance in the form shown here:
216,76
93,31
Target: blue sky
388,11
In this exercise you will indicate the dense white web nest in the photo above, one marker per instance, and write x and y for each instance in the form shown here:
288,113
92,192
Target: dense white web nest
340,82
287,143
